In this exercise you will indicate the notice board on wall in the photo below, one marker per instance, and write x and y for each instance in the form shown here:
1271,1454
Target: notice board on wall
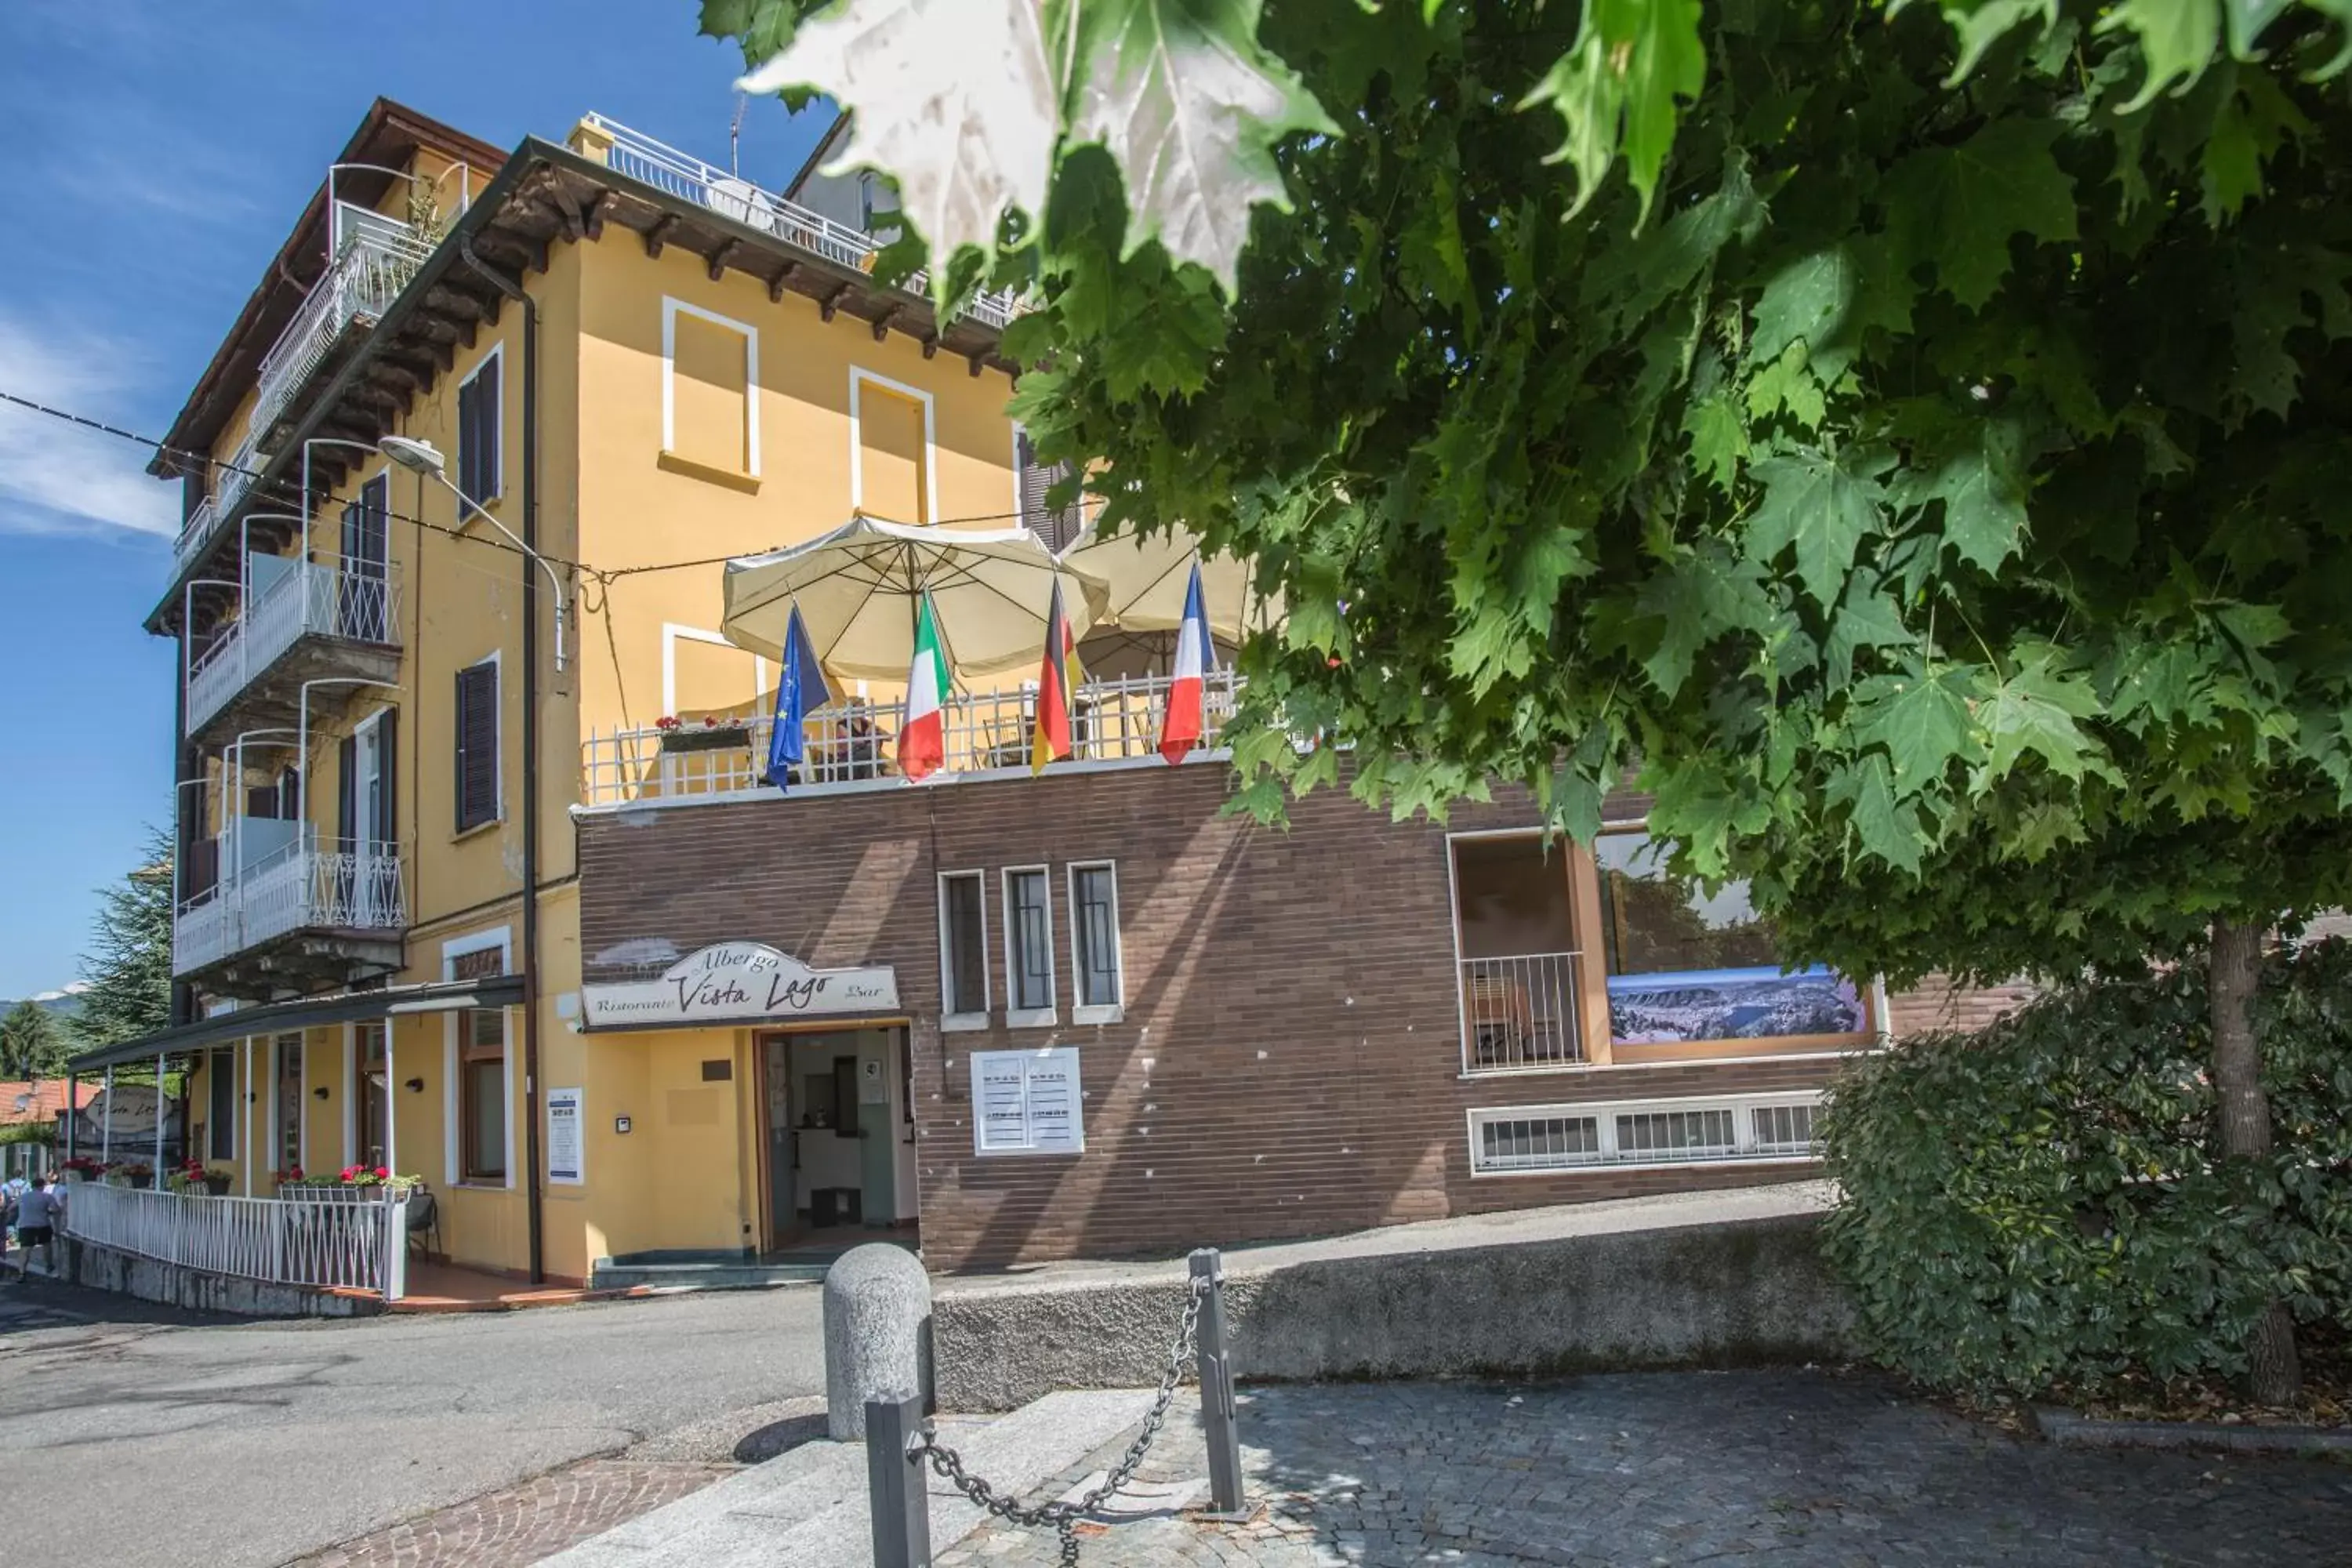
1027,1103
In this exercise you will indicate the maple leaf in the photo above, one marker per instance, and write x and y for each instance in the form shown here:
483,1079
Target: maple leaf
1889,827
1618,86
955,100
1983,487
1956,207
1189,107
2177,40
2034,711
1807,300
1815,503
1921,720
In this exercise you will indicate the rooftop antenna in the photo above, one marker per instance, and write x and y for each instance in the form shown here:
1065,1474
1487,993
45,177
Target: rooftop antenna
735,136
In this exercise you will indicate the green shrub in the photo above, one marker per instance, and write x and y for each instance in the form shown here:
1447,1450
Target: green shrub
2044,1201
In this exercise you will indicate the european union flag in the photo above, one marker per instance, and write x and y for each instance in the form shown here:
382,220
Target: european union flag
801,692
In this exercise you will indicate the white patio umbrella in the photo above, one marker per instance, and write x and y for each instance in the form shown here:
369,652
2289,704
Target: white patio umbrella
1145,580
858,586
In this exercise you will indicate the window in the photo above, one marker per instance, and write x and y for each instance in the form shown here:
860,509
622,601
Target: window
1517,928
1056,527
289,1098
482,1093
372,1099
964,1000
479,473
220,1118
478,746
891,440
1094,944
1028,947
710,369
1685,965
1535,1138
362,606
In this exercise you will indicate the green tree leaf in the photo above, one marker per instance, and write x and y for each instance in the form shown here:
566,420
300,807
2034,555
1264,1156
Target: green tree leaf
1887,828
1817,507
2035,711
1920,720
1955,208
1618,88
1190,107
2178,40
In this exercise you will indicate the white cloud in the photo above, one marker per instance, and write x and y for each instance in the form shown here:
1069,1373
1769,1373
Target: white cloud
58,478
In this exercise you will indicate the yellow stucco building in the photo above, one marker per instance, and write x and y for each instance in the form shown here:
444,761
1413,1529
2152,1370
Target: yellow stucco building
595,361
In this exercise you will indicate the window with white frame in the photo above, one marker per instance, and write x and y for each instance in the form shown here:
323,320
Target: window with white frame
1530,1139
964,998
479,437
481,1085
1028,947
710,389
1098,987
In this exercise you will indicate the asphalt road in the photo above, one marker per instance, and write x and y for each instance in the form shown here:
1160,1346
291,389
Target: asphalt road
133,1436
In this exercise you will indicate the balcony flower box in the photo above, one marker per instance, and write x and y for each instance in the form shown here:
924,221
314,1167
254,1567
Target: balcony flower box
707,736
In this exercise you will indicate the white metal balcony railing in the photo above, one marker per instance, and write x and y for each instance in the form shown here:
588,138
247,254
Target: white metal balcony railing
641,157
299,599
375,258
856,743
234,479
284,1240
299,888
1520,1012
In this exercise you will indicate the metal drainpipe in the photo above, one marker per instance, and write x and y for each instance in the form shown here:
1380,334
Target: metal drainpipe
521,296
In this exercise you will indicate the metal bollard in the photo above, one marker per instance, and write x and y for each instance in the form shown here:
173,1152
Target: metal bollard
900,1503
1217,1387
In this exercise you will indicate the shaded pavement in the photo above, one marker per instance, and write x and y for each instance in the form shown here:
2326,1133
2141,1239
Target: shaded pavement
1791,1469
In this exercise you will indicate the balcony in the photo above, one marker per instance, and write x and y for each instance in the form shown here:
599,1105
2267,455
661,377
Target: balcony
640,157
854,745
302,620
287,915
375,258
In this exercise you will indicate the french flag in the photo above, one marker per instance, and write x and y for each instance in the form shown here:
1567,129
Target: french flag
1179,730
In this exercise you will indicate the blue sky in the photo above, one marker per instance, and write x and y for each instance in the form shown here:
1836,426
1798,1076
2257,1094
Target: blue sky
158,151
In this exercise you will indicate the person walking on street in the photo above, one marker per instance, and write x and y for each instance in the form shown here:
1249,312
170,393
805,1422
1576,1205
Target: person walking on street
36,1214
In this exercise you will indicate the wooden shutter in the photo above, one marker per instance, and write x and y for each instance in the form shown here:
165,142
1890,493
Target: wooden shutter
477,746
347,797
478,432
1056,528
387,753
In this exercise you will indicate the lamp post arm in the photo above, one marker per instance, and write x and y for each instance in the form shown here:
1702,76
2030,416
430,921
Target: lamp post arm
554,584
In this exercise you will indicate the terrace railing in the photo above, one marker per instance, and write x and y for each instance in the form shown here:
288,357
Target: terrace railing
284,1240
359,603
301,887
1519,1013
375,258
640,157
855,744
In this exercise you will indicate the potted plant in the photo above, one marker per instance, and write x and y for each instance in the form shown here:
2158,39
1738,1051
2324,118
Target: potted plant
712,734
82,1168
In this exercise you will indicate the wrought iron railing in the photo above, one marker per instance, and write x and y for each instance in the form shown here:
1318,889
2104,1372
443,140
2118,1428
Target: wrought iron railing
284,1240
855,744
231,480
641,157
375,257
301,888
359,602
1520,1012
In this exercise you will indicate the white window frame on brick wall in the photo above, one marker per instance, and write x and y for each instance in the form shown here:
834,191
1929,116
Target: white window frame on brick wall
1081,1011
1017,1017
950,1022
1745,1149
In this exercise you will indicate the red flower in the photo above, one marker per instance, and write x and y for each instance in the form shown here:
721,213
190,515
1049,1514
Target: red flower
294,1174
384,1173
349,1172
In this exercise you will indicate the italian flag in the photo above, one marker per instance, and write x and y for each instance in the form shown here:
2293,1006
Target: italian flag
1057,683
922,740
1180,732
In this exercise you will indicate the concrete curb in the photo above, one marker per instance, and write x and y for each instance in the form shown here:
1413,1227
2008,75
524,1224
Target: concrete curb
2068,1430
1743,1292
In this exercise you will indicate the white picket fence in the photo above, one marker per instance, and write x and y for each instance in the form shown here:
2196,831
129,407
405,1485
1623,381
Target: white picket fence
292,1240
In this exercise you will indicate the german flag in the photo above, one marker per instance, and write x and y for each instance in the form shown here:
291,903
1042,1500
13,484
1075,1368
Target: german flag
1057,684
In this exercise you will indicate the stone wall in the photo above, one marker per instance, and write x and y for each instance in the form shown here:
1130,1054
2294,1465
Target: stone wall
106,1269
1745,1292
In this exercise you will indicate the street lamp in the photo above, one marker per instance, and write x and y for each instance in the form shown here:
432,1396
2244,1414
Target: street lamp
424,458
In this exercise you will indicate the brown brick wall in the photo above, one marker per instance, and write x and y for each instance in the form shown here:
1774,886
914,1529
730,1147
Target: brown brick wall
1937,1003
1289,1062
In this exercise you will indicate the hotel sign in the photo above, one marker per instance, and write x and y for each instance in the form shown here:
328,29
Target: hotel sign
738,983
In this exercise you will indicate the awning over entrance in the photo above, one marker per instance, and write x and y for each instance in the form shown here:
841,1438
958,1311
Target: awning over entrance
307,1011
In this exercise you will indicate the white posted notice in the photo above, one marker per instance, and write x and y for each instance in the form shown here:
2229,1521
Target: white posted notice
1027,1103
564,1136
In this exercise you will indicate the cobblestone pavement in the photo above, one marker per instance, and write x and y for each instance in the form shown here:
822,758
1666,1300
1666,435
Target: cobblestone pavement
522,1524
1738,1469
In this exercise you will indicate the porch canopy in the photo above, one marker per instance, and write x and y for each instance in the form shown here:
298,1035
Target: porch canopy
306,1012
857,588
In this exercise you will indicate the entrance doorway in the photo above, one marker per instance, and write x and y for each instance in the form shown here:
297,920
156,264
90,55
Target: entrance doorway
838,1158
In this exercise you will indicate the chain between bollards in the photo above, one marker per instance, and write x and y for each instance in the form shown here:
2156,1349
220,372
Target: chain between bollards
901,1443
